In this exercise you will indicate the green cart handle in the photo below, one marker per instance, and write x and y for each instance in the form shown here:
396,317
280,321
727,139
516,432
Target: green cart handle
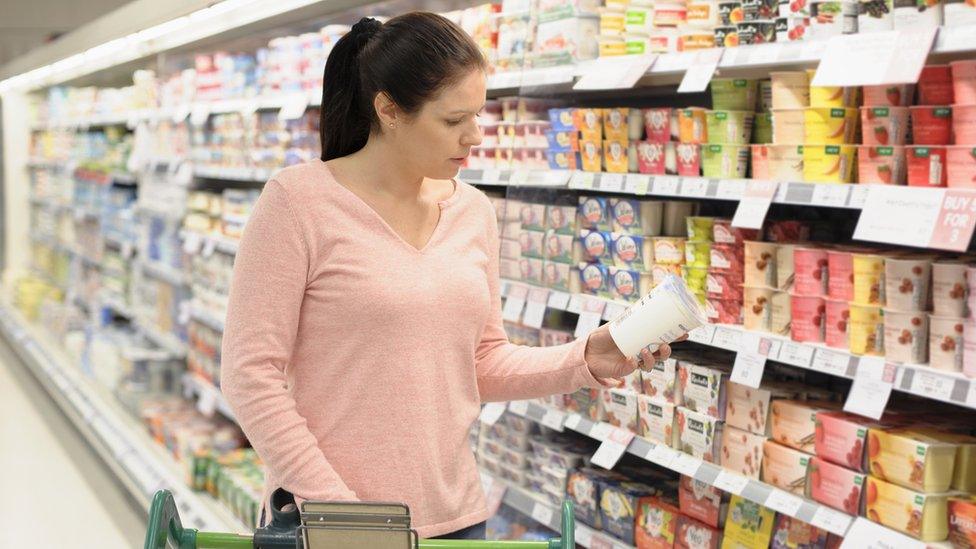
165,531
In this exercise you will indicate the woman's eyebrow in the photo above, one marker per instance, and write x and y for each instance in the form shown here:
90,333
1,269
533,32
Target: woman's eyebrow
464,111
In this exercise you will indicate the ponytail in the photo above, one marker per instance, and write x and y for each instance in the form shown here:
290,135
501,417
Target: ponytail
409,58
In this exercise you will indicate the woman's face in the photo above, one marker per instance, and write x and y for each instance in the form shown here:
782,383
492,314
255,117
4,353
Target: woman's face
436,141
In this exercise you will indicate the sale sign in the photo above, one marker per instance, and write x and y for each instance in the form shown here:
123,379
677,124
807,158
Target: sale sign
925,218
957,218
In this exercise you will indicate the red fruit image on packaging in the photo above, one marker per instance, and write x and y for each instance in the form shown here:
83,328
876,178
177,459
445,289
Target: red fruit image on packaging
693,534
926,166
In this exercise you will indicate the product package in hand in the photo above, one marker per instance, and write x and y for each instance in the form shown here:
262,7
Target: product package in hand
665,314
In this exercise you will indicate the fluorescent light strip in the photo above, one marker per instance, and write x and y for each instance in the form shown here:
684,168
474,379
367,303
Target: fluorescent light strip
200,24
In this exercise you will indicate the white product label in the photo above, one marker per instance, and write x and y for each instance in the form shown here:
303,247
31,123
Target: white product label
492,412
601,431
612,448
700,73
612,182
932,385
750,361
554,419
702,334
694,187
783,502
752,209
831,362
727,338
875,59
293,106
730,482
559,300
830,195
661,455
832,521
613,310
913,216
796,354
572,421
590,316
666,185
637,184
519,407
615,73
871,388
535,309
512,312
864,534
732,189
542,513
686,464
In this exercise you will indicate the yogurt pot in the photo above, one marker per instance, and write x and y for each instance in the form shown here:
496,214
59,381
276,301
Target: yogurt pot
734,94
688,159
698,254
725,285
657,124
961,166
838,313
635,124
866,331
969,351
791,89
881,165
723,311
808,318
810,271
893,95
695,38
692,126
651,158
669,250
906,336
782,315
785,266
725,161
700,228
669,15
884,126
756,32
730,13
729,127
935,85
788,126
829,163
907,282
964,81
727,258
726,36
946,343
757,308
675,213
964,124
777,162
660,272
927,166
695,277
765,96
949,288
724,233
702,14
760,264
869,279
762,128
638,19
831,97
836,126
931,125
662,316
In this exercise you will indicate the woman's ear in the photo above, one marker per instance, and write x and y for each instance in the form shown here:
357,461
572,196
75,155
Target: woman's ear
386,110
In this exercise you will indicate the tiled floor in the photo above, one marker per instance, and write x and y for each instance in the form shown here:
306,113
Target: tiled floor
55,492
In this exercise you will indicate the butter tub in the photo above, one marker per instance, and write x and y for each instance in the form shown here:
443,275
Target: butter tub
922,516
911,459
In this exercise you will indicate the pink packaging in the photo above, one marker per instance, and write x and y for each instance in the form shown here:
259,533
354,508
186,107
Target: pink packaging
835,486
964,124
842,438
838,315
931,125
810,271
723,311
724,285
894,95
964,81
906,336
926,166
650,158
840,275
748,409
907,282
884,126
949,288
657,124
935,86
660,382
785,467
689,159
724,233
961,166
808,318
971,289
881,165
946,343
742,452
728,258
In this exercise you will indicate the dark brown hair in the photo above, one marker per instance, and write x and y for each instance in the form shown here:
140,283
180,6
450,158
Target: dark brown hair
410,58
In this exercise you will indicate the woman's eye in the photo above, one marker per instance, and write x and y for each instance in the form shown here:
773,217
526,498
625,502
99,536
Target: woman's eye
455,122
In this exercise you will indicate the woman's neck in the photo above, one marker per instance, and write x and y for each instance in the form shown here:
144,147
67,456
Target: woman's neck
377,169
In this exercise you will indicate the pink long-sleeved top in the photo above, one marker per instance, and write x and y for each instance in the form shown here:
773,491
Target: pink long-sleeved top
356,363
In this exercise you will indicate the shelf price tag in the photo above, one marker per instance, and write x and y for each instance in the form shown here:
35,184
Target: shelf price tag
829,195
927,384
783,502
750,360
572,421
612,448
554,419
864,534
637,184
542,513
515,302
871,388
831,362
661,455
875,59
590,316
665,185
924,218
699,74
730,482
207,401
694,187
702,334
293,106
535,308
613,310
752,209
492,412
796,354
615,73
830,520
519,407
559,300
686,464
612,182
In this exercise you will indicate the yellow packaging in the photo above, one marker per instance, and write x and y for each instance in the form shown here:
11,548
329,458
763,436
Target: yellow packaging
922,516
866,330
829,163
964,473
869,279
911,459
788,126
590,124
749,525
591,155
692,126
830,96
615,155
612,23
612,46
829,126
615,124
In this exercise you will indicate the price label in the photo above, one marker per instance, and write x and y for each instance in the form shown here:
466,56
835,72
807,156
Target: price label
920,217
542,513
581,180
727,338
694,187
750,360
612,448
700,73
535,308
637,184
600,542
830,195
575,304
731,482
492,412
859,196
783,502
875,59
601,431
956,220
572,421
612,182
519,178
665,185
731,189
864,534
584,536
615,73
209,245
559,300
702,334
930,384
589,317
752,209
519,407
515,302
796,354
661,455
686,464
831,362
554,419
199,114
871,388
830,520
207,401
293,106
613,310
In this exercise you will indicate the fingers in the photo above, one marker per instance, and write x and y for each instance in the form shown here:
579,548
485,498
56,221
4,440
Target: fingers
682,338
663,352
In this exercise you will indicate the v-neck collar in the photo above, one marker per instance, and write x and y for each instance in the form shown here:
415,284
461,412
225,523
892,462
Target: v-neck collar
441,206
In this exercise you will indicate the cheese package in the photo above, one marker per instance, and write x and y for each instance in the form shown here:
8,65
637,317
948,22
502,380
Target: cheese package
699,434
962,521
791,533
637,217
748,409
703,389
531,270
597,246
594,279
561,248
656,420
911,459
561,219
795,422
533,217
922,516
593,213
629,285
510,249
560,277
702,502
657,524
621,408
785,467
510,269
588,403
835,486
693,534
749,526
661,381
742,452
583,489
632,252
619,504
531,243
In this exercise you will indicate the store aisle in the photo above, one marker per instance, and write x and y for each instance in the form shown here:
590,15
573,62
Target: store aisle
54,489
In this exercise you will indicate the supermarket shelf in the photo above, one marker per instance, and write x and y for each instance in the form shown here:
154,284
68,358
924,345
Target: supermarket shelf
140,464
808,510
165,273
116,305
797,193
209,398
165,341
547,514
220,243
914,379
123,178
206,317
249,175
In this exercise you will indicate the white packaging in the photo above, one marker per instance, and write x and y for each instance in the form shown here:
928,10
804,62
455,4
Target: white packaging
959,13
662,316
569,39
621,408
656,420
911,14
875,16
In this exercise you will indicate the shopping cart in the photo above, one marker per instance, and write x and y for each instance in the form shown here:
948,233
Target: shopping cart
321,525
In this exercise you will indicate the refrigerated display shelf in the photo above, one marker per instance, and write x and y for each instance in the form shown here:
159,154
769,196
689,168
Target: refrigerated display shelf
165,273
209,398
140,464
116,305
248,175
206,317
165,341
915,379
203,243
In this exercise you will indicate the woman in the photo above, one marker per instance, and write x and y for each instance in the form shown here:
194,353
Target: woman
364,324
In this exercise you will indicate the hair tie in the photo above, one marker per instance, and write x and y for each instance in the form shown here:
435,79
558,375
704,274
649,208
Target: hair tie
365,29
